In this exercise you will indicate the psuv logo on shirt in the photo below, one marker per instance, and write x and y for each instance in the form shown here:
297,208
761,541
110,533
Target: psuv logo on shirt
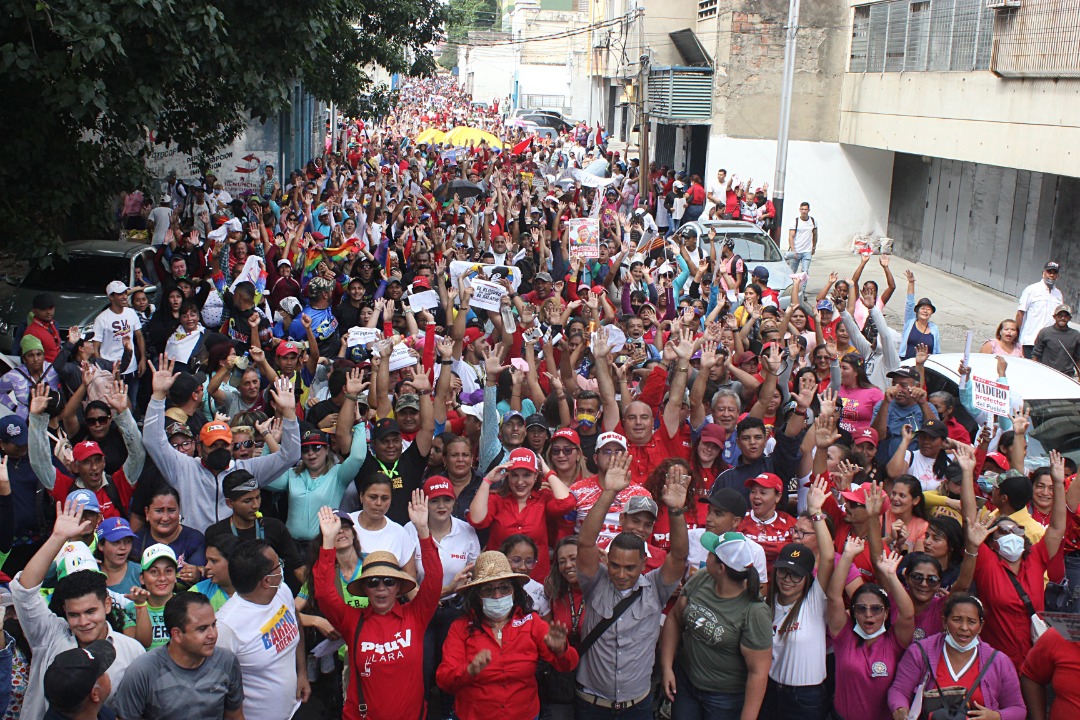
279,632
391,650
521,621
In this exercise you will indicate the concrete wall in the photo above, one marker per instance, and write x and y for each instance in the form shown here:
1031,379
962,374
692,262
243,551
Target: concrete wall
975,117
663,17
847,187
484,71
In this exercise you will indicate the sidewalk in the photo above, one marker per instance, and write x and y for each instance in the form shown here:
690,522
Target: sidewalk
961,304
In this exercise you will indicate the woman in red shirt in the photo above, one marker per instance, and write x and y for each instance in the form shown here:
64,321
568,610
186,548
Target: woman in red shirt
490,656
521,505
385,639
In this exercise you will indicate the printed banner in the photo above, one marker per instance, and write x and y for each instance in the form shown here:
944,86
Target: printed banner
584,237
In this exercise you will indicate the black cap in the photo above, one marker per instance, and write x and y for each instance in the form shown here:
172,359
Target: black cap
797,558
1053,266
925,301
385,427
314,437
44,301
934,428
238,483
537,420
72,674
903,372
728,500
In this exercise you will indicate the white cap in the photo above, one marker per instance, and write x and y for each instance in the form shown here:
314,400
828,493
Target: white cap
611,437
166,199
115,288
477,410
284,261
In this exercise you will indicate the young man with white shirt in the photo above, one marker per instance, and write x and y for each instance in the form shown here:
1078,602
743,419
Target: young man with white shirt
1038,302
112,327
802,240
259,625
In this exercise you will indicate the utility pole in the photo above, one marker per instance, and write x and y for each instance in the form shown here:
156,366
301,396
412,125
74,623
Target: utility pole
780,175
643,117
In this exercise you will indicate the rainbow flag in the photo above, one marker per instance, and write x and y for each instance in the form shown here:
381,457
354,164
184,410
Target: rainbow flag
314,256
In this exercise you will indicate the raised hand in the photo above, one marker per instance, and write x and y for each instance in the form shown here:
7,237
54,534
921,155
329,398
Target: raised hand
965,456
827,402
875,500
1057,466
922,352
253,321
418,512
617,477
163,375
845,473
556,638
1021,421
976,532
815,498
825,432
854,547
39,399
138,595
69,524
283,395
675,486
354,382
118,398
445,347
889,562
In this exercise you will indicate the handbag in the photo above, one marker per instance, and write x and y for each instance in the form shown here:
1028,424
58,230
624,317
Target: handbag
948,703
1056,597
1038,625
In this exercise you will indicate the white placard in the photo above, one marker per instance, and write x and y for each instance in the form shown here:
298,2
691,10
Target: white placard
401,357
471,270
424,300
361,336
487,295
990,396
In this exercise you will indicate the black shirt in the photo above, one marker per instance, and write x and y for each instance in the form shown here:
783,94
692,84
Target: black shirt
407,475
273,531
320,411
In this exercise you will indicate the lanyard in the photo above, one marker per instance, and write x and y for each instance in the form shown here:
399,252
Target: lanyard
575,612
260,534
391,472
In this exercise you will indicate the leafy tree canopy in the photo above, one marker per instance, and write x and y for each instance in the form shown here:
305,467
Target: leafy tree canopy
86,83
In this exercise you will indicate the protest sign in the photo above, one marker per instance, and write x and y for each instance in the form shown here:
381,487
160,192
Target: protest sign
1067,624
487,295
449,156
401,357
424,300
361,336
473,271
990,396
584,237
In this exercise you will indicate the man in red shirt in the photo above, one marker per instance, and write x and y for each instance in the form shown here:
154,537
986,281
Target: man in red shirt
42,326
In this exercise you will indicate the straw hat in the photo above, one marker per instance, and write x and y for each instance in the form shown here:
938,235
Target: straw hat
382,564
492,565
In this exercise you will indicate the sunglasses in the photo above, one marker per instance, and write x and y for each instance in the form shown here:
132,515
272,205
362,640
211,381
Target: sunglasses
568,450
245,444
99,420
500,590
374,582
871,610
920,579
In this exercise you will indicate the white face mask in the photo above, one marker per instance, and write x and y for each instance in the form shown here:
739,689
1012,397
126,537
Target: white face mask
498,608
951,642
869,636
1011,547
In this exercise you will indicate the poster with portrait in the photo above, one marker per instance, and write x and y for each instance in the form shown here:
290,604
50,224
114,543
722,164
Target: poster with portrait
584,237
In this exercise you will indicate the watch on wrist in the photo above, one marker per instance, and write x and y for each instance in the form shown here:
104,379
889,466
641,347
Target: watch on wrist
678,512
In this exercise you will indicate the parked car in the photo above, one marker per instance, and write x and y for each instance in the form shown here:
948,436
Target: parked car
78,284
547,120
1052,398
754,246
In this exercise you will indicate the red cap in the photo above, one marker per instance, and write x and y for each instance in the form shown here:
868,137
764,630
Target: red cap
523,459
421,281
472,335
438,486
287,347
866,435
767,480
713,433
85,449
599,290
567,434
998,459
317,236
857,494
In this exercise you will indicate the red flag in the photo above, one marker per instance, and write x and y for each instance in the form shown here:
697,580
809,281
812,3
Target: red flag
521,147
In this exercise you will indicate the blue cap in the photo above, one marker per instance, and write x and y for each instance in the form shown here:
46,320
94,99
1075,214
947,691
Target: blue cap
825,304
86,499
511,414
114,529
13,429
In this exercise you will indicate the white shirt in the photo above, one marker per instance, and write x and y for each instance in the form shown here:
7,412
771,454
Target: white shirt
110,329
457,549
49,636
922,468
264,640
540,601
804,234
1038,304
391,538
798,656
161,217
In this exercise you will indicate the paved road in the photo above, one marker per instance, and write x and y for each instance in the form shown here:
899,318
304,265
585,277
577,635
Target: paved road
961,304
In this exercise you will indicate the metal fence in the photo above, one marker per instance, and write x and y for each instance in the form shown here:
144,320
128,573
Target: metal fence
922,35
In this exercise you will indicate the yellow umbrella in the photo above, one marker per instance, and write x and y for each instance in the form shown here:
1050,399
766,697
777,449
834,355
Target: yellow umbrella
431,136
461,136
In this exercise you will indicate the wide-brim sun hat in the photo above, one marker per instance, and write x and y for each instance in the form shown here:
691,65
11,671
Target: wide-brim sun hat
492,566
381,564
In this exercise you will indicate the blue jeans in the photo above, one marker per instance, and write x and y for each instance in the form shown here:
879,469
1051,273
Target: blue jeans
588,711
798,262
694,704
794,702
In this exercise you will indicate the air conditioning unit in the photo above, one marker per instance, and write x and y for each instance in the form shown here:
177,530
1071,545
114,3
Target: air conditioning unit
1002,4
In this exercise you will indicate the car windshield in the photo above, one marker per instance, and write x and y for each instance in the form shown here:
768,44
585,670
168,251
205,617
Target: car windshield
1055,426
751,246
83,274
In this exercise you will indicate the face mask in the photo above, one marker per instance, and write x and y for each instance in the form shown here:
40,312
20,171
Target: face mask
586,420
218,460
951,641
498,608
1011,547
1050,282
869,636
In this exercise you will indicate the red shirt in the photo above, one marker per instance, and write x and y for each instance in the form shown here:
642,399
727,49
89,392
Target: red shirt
64,485
659,448
506,688
570,611
1058,662
662,528
48,335
505,518
391,653
771,535
944,679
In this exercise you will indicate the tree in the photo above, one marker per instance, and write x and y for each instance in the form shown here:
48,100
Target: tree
86,84
463,16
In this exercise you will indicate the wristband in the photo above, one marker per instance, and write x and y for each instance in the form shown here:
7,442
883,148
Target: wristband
446,362
817,517
423,393
971,554
139,605
354,398
676,513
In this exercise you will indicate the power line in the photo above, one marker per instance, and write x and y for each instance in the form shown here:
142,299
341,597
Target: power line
556,36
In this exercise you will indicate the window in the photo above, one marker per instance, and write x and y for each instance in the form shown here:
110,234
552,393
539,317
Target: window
921,35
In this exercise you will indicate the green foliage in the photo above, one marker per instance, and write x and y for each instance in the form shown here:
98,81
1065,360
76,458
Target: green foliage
87,84
463,16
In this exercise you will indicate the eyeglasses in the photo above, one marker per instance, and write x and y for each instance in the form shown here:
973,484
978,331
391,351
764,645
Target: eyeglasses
245,444
373,582
280,569
1003,530
99,420
183,445
610,451
871,610
566,450
530,563
797,534
500,590
787,575
920,579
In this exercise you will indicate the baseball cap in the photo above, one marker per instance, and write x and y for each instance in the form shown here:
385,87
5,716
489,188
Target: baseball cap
72,674
713,433
155,552
214,431
408,401
385,428
114,529
745,357
542,277
86,499
178,428
568,434
795,558
290,305
1063,309
610,437
866,435
511,415
761,272
537,420
472,335
476,411
43,301
523,459
641,503
13,429
766,480
75,557
825,304
903,372
314,436
287,348
421,281
85,449
999,459
115,288
855,494
728,500
1056,267
731,548
438,486
933,428
284,261
238,483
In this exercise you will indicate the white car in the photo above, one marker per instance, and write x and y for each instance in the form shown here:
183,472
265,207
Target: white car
1052,398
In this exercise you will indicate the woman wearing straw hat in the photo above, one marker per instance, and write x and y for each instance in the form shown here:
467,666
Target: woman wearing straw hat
385,639
490,656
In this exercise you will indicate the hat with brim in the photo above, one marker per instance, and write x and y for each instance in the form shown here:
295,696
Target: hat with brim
493,566
795,558
927,303
381,564
726,500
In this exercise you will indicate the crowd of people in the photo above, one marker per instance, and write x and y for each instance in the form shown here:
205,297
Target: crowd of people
384,441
